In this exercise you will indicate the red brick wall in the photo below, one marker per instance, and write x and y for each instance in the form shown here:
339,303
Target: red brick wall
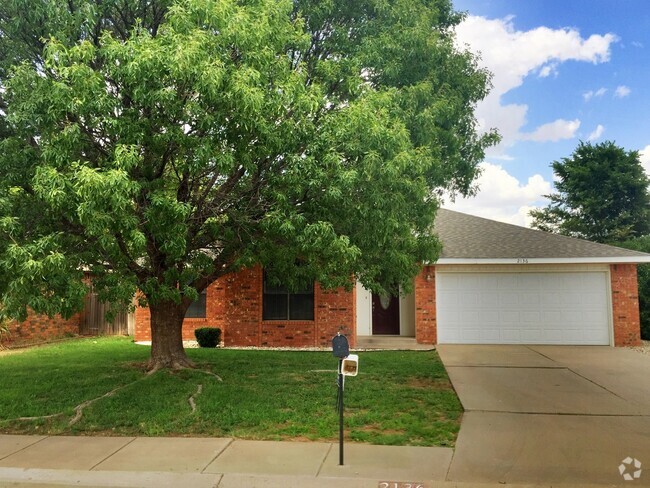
215,307
40,328
244,308
234,303
425,306
336,310
142,324
625,305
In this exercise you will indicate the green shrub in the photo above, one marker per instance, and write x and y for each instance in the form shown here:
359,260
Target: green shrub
208,336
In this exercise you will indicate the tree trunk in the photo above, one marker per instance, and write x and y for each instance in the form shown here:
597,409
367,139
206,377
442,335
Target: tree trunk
166,337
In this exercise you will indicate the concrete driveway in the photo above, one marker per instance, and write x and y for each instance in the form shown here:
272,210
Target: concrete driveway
550,414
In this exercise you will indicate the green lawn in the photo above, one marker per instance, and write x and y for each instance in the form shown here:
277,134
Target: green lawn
399,398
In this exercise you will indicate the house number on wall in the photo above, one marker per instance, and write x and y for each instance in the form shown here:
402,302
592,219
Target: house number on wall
400,484
522,260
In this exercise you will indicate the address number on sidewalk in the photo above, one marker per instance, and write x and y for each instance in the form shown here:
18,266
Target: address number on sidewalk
401,484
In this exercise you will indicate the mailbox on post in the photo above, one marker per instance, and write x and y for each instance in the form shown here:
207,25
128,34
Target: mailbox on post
350,365
340,346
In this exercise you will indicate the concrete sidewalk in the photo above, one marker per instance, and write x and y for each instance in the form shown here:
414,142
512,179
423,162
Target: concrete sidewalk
209,462
144,462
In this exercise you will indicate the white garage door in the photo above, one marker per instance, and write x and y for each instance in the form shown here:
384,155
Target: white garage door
522,308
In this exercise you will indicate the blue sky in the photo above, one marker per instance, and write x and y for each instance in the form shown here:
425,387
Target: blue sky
563,71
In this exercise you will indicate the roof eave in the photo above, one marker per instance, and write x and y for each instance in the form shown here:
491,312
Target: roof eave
576,260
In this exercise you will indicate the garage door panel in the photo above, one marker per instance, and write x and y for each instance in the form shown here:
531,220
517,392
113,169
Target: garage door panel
469,300
572,336
490,317
510,336
471,335
594,298
489,300
549,299
569,299
595,316
554,335
572,317
531,318
528,282
530,300
551,316
469,317
529,308
508,299
448,296
510,317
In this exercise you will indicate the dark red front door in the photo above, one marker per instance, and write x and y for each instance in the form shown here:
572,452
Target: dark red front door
385,315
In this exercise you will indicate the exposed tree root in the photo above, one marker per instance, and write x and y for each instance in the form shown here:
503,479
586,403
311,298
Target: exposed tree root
39,417
79,409
205,371
199,390
175,364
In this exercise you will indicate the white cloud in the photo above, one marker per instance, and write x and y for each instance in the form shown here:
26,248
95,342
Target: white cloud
622,91
553,131
511,55
637,44
595,135
503,197
644,156
549,69
591,94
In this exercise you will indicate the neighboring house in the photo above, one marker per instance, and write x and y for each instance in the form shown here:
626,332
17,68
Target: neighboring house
39,328
494,283
90,321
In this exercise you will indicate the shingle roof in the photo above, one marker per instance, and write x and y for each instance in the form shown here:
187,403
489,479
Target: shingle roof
466,237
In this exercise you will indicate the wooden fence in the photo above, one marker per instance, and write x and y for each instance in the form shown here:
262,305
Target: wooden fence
93,320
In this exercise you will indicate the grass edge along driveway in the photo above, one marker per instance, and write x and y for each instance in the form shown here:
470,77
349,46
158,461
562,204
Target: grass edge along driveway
98,386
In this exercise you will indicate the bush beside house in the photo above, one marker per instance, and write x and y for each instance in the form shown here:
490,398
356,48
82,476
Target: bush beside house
208,336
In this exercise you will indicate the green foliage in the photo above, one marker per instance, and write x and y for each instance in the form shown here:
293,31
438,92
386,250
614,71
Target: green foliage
602,195
399,397
208,336
643,271
162,153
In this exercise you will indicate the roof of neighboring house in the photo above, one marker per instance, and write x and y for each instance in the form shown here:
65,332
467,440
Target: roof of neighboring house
467,239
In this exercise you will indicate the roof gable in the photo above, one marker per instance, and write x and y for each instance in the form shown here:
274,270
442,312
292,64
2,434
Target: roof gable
468,238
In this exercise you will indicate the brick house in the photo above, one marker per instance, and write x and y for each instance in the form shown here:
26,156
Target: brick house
91,321
40,328
494,283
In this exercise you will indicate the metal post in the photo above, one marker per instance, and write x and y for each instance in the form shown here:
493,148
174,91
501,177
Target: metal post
340,412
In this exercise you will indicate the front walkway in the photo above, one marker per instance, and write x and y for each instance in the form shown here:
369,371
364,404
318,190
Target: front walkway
391,343
551,414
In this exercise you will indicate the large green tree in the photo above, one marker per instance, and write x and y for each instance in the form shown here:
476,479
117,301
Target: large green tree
160,146
602,195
